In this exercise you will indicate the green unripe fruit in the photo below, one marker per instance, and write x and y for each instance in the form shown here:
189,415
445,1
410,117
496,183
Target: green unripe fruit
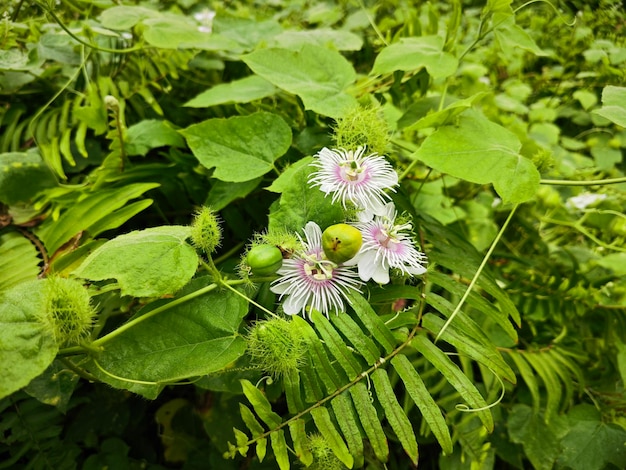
264,259
341,242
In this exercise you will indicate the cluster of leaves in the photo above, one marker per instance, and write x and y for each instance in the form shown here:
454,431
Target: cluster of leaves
507,129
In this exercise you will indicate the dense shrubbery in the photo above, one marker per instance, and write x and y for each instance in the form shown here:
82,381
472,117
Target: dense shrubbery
163,193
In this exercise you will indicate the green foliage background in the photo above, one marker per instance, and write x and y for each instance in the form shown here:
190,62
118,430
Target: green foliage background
507,125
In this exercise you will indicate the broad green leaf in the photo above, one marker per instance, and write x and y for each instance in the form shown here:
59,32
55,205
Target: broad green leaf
240,148
149,134
255,428
316,74
540,441
19,260
86,212
194,337
343,408
22,175
125,17
363,344
300,443
284,182
222,193
446,115
613,105
300,203
411,54
327,429
455,376
591,443
528,375
395,414
369,420
279,445
372,321
244,90
510,36
27,342
146,263
482,152
54,387
486,354
422,398
336,345
341,40
260,404
247,32
178,32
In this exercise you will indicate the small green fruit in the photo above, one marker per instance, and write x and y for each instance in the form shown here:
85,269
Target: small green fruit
341,242
264,259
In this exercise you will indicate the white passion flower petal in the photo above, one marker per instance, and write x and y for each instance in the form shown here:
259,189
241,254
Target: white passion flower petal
385,246
309,281
352,177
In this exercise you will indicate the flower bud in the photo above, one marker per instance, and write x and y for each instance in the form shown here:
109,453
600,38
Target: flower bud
276,346
206,232
363,127
68,309
264,259
341,242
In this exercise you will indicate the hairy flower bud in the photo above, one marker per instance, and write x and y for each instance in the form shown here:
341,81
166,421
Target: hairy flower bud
276,346
341,242
68,309
363,127
206,232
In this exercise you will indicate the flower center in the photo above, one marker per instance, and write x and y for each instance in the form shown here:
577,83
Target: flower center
352,171
386,237
318,269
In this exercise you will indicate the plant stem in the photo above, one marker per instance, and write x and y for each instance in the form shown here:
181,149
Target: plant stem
477,275
584,182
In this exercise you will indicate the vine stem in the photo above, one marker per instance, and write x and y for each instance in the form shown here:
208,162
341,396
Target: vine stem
584,182
104,339
457,309
45,8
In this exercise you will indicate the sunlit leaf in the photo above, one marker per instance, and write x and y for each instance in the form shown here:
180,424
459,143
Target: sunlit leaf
146,263
240,148
28,344
482,152
316,74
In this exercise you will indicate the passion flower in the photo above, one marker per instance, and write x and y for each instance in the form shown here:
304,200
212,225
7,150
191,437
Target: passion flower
341,242
264,259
